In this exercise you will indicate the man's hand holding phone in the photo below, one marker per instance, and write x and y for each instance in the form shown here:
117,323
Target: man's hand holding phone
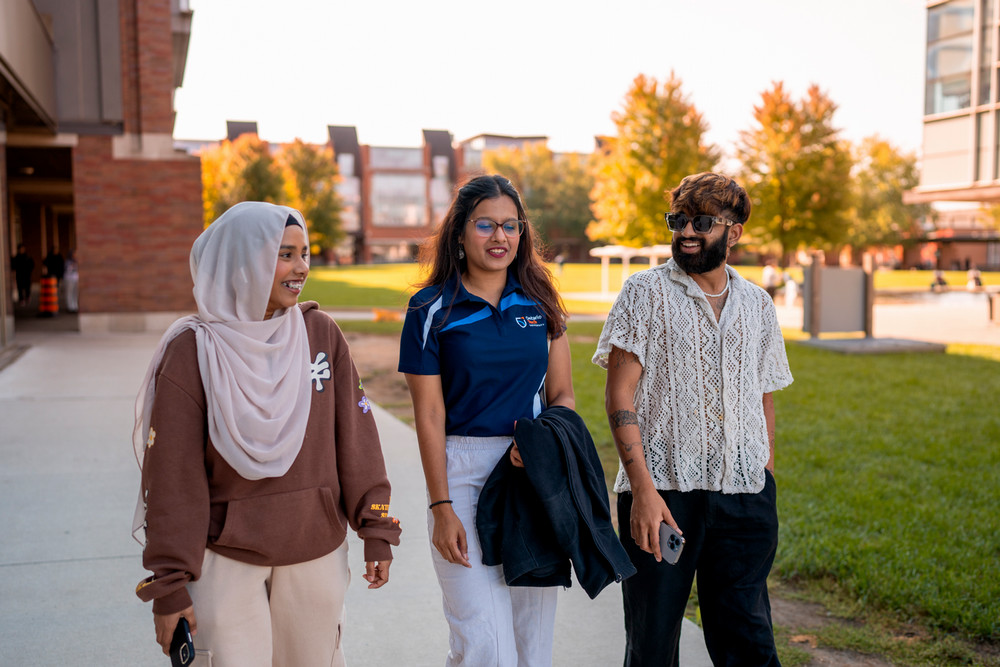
671,543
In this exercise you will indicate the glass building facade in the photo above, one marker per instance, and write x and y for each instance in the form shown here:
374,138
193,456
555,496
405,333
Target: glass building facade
960,162
961,148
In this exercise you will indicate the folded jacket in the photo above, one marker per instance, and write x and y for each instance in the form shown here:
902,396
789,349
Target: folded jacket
539,519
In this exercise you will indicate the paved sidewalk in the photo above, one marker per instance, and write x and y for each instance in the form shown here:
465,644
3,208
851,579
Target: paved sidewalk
952,317
68,566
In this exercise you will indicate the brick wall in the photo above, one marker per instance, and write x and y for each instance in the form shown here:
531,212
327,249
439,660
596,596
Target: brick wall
135,223
6,252
147,66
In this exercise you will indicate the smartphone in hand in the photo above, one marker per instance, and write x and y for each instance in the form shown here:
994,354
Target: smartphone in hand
182,646
671,543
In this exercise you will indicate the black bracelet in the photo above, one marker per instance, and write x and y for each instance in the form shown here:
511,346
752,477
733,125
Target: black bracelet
439,502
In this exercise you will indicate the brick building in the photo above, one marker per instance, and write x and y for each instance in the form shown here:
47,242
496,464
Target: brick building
87,157
394,196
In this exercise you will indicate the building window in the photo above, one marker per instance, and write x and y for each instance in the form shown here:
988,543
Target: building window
349,189
950,30
382,157
987,31
993,254
399,200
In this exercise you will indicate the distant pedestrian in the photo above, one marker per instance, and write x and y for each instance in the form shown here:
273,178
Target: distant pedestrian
56,265
23,267
791,290
973,279
258,449
693,352
770,278
71,283
938,282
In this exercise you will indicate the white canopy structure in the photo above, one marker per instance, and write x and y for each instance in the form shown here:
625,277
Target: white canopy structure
625,254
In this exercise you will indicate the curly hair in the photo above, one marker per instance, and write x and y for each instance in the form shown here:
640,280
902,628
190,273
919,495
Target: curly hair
713,194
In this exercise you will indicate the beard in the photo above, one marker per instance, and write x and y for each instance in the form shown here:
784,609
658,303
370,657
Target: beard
711,256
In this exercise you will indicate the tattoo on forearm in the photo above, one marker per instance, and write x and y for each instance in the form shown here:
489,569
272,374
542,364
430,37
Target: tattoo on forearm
622,358
621,418
626,449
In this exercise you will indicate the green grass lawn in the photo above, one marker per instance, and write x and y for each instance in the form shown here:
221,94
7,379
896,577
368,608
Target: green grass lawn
888,467
888,472
390,285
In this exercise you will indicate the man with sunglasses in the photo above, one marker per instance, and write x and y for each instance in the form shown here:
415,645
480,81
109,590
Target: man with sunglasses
693,352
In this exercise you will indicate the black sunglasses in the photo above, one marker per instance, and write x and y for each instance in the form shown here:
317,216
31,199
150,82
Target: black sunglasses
703,224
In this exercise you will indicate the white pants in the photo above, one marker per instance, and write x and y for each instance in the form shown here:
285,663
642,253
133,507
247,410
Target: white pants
490,624
254,616
72,287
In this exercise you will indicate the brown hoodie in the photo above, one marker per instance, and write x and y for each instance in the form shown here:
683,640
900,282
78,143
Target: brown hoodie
194,499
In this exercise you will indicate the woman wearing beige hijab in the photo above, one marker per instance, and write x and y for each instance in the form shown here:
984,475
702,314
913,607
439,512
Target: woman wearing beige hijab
258,449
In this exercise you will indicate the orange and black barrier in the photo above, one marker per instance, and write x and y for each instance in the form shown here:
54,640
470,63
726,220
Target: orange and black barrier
48,304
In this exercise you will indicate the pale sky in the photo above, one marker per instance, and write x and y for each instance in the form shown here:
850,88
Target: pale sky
538,67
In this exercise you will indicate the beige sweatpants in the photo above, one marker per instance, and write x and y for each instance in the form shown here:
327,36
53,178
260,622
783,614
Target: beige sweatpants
254,616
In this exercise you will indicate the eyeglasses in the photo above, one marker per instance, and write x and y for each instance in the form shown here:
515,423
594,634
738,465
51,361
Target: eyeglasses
703,224
486,227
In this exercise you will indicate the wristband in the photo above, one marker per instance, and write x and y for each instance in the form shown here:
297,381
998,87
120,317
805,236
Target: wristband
439,502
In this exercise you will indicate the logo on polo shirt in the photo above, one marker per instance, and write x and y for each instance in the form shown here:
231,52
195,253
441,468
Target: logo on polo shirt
530,321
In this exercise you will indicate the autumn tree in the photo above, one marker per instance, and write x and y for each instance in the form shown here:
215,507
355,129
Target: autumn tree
797,171
660,140
236,171
555,189
882,173
310,178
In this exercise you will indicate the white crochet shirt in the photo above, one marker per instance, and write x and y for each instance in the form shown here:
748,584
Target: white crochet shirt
700,396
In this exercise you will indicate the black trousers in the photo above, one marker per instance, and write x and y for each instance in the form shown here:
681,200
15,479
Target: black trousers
730,542
23,288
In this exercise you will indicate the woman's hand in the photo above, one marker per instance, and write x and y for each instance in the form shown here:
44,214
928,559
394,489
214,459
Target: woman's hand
165,625
515,457
377,573
449,535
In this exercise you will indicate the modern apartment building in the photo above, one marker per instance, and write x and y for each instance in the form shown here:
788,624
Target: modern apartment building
87,157
961,148
395,196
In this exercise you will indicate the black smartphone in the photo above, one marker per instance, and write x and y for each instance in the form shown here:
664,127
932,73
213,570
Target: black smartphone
182,646
671,543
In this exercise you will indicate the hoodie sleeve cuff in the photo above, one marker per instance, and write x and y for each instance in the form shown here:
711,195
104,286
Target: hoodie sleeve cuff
177,601
377,550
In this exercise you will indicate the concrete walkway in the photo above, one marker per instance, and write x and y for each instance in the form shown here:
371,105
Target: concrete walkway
68,566
952,317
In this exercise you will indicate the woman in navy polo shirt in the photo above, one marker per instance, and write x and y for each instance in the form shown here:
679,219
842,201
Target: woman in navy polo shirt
482,343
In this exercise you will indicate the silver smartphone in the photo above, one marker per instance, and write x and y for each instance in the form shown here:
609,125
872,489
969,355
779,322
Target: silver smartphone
671,543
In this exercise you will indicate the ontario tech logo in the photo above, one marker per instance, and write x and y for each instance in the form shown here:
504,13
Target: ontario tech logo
530,321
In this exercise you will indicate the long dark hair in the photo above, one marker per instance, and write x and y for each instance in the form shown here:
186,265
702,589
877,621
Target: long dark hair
439,253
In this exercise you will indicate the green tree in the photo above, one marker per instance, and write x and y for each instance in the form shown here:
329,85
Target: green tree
310,180
555,189
659,141
797,171
236,171
881,175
